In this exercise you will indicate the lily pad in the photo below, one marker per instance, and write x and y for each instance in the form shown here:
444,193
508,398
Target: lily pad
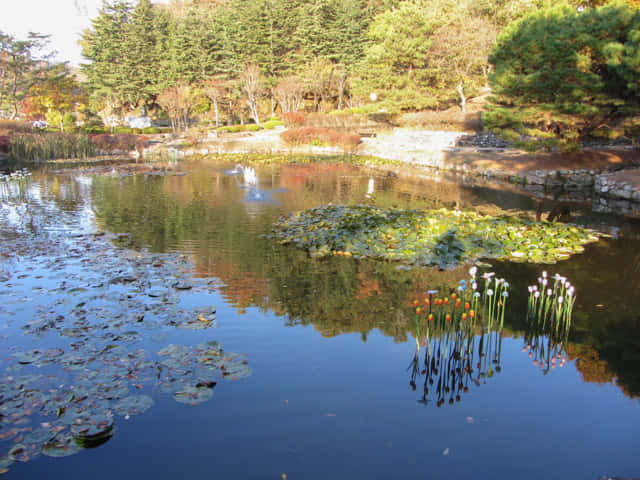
443,238
193,395
133,405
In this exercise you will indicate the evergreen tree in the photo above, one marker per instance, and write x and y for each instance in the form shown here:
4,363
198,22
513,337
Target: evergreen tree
564,73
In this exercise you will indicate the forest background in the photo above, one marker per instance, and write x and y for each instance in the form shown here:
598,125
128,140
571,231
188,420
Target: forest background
555,72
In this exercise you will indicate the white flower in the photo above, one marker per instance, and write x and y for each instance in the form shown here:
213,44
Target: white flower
537,294
473,270
477,294
506,284
544,274
560,300
490,292
544,282
530,289
432,292
549,292
474,286
505,294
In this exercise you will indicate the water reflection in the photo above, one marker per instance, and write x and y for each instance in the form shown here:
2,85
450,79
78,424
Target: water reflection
86,323
205,214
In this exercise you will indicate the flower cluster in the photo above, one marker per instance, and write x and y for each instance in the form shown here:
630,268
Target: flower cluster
549,310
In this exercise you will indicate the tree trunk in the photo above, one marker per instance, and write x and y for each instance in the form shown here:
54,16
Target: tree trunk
463,99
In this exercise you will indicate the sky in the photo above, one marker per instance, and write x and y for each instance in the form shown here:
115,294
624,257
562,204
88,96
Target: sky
64,20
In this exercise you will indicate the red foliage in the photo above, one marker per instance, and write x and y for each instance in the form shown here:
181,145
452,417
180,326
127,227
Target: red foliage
293,119
110,143
311,135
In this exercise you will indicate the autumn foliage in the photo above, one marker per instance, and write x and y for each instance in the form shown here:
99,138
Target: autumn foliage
320,137
111,143
293,119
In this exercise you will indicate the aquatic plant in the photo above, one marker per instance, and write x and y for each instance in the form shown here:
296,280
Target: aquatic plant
461,333
50,146
443,238
549,309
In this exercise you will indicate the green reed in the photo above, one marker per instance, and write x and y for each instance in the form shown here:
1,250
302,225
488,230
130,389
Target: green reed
35,147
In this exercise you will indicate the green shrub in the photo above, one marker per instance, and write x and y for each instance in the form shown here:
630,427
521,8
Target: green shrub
122,130
252,127
69,123
94,130
151,130
232,128
271,124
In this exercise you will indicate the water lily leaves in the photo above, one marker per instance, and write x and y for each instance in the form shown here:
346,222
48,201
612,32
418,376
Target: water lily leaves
93,310
194,395
133,405
443,238
90,431
63,445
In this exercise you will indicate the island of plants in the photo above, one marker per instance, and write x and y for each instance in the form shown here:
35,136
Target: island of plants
443,238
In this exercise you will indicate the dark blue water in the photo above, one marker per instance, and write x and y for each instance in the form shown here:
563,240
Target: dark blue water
328,343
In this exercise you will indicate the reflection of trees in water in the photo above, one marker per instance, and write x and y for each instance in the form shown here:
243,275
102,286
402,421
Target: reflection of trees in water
339,295
455,357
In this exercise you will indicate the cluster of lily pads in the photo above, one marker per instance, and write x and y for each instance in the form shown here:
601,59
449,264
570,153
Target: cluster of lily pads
447,327
443,238
549,309
82,317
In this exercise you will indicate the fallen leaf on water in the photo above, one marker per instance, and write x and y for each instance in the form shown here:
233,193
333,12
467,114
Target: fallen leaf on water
446,452
330,414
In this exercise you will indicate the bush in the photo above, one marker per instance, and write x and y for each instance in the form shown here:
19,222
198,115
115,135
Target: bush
94,130
252,127
232,128
294,119
320,137
49,146
271,124
69,123
122,130
151,130
112,143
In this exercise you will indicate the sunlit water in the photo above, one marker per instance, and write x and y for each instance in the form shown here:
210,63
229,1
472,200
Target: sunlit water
316,378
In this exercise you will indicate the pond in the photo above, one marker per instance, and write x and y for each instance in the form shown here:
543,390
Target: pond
152,326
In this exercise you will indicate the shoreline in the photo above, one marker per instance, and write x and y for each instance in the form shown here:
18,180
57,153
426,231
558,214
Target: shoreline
608,177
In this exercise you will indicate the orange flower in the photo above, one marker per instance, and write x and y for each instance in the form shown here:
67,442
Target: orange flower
427,302
458,303
446,301
464,316
453,296
431,317
467,306
415,303
448,318
418,310
472,313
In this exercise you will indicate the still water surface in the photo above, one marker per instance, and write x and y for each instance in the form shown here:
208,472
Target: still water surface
317,377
